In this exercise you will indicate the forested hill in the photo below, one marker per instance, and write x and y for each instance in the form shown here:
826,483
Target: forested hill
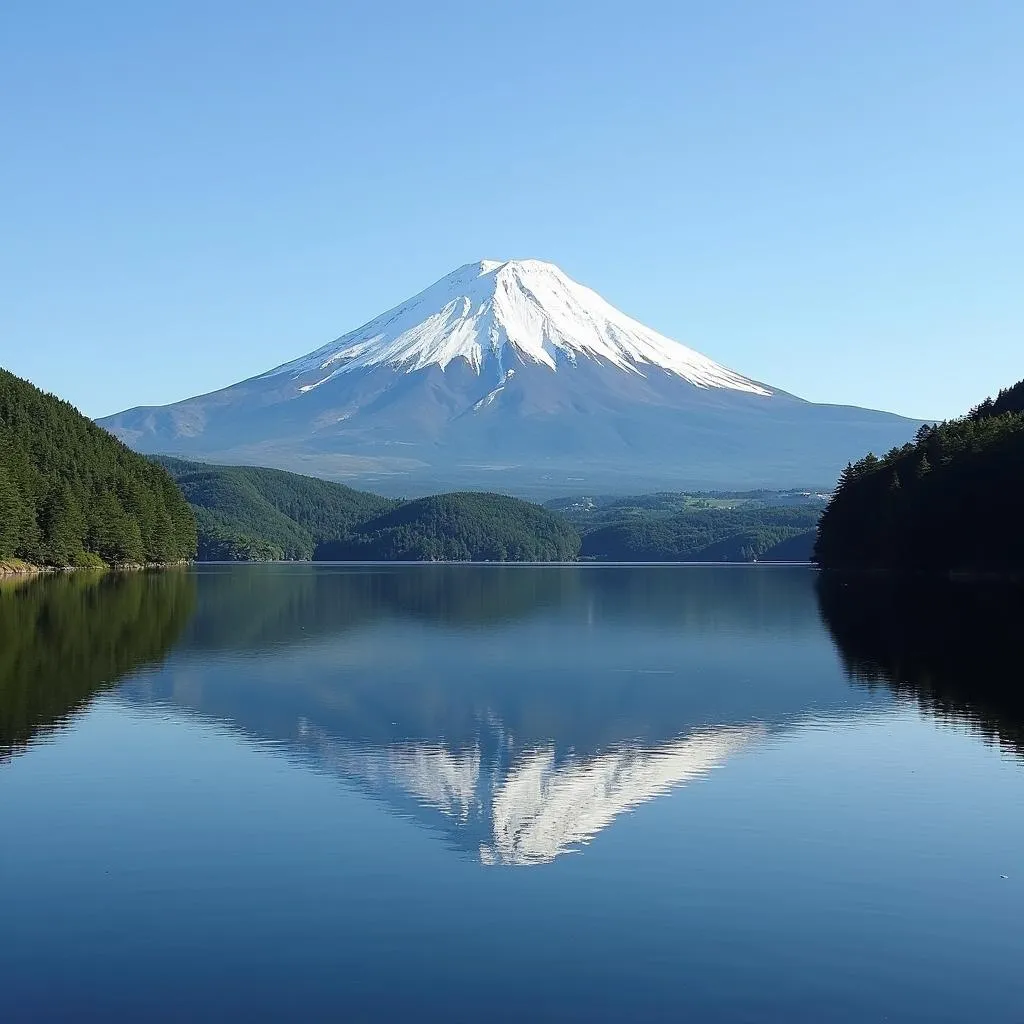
71,494
465,526
246,513
950,500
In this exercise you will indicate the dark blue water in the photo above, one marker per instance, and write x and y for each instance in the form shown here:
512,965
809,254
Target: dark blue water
509,793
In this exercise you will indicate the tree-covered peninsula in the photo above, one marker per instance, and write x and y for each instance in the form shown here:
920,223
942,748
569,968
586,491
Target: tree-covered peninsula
951,500
73,495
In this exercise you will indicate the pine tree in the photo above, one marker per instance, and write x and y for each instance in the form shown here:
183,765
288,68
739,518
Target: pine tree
108,529
63,526
160,546
10,514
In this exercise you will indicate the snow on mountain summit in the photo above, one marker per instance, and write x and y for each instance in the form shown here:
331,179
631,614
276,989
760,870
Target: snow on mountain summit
511,375
527,309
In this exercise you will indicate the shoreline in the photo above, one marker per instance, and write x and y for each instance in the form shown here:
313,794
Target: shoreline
581,563
15,567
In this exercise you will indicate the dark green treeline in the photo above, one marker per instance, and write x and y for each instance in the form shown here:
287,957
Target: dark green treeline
745,534
66,637
71,494
951,499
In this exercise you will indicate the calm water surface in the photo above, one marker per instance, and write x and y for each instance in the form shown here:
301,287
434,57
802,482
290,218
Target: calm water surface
509,793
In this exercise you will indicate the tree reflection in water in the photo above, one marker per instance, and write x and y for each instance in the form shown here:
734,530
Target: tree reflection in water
953,646
66,637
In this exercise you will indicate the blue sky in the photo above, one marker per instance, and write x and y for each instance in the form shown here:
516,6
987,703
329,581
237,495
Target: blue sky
825,196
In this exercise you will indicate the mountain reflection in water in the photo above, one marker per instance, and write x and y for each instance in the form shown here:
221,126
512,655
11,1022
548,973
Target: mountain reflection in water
535,807
517,711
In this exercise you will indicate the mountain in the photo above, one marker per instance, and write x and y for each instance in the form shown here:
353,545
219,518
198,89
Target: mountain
70,494
953,500
511,376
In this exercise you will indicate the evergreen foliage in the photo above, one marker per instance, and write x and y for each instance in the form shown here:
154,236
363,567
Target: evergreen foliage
1008,400
950,500
70,492
247,514
797,548
465,526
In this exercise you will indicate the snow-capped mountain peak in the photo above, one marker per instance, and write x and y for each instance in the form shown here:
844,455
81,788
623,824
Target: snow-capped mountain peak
512,376
502,312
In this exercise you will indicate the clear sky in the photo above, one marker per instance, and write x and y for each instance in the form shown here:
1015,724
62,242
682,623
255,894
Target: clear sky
827,196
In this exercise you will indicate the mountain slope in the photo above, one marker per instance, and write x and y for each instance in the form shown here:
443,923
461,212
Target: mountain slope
248,513
70,494
513,373
522,311
463,527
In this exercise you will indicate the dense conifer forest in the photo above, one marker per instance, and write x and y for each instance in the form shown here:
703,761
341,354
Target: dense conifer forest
71,494
246,513
952,499
462,527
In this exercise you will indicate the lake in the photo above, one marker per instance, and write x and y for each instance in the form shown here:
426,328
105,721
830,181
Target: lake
464,793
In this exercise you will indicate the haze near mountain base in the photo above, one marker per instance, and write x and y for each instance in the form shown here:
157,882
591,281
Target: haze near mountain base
511,376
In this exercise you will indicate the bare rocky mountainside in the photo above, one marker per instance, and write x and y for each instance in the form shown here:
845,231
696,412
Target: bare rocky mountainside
510,376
